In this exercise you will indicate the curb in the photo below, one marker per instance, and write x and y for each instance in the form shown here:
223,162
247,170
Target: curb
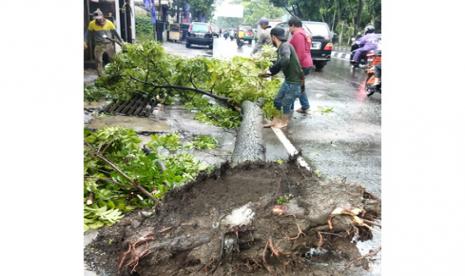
290,148
340,55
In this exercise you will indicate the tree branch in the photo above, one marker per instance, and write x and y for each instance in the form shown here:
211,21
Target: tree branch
192,80
183,88
290,12
118,170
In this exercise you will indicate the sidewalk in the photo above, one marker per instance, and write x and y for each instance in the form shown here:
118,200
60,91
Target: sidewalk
90,75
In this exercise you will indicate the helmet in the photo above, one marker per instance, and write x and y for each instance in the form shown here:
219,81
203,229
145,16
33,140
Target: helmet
369,29
263,21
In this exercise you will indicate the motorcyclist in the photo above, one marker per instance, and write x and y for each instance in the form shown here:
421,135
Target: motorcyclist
366,43
231,34
378,67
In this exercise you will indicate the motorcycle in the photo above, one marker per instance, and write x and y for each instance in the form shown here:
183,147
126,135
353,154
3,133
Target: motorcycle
374,63
363,60
226,35
240,42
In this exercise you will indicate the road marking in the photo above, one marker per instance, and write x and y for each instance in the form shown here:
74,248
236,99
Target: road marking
290,148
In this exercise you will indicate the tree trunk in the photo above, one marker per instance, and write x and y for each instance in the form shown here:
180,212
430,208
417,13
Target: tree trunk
359,15
334,20
341,34
249,141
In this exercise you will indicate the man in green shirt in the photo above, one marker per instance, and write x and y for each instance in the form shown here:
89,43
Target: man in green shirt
288,63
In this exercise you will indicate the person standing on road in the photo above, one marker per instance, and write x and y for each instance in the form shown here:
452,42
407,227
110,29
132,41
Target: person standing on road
301,42
103,33
288,63
263,35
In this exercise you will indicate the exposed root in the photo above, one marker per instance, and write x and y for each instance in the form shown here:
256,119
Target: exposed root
265,264
367,256
320,240
188,226
331,234
165,229
130,258
274,251
372,222
299,233
353,213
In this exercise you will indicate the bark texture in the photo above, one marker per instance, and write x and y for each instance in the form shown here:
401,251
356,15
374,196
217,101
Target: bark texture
249,141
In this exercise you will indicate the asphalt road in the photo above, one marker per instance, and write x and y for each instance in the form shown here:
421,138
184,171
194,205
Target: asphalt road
343,142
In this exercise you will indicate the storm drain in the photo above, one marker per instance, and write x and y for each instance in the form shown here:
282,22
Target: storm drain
139,105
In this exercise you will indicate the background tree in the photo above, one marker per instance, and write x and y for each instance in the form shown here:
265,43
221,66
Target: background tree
256,9
228,22
201,10
346,17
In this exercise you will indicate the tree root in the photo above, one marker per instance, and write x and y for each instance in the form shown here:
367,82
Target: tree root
130,258
321,241
370,254
300,232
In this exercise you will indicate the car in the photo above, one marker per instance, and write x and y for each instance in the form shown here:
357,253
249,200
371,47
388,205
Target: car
322,45
199,33
215,30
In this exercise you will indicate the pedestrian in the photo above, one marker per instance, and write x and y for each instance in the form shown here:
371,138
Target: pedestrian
301,41
103,32
288,63
264,37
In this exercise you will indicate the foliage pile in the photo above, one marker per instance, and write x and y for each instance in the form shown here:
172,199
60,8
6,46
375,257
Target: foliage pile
108,194
211,113
147,68
202,142
95,93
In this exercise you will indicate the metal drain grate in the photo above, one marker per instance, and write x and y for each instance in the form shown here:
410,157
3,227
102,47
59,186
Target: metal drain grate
138,106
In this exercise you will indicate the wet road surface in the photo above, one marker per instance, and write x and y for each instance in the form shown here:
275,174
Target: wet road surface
346,142
222,49
342,143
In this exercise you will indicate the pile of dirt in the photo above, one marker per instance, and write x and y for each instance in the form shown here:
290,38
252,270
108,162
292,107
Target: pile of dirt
193,231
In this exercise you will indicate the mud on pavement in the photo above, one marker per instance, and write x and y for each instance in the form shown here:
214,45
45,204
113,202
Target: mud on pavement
192,231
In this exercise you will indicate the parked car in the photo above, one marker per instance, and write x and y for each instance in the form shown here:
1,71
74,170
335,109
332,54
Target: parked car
322,45
199,33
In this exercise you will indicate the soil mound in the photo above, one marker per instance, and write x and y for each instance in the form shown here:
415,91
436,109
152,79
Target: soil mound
257,218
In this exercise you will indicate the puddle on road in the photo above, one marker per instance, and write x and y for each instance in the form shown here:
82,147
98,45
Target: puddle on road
139,124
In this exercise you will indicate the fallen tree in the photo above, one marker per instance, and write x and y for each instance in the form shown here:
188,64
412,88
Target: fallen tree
255,217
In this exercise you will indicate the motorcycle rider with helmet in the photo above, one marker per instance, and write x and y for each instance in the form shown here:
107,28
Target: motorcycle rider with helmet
366,43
